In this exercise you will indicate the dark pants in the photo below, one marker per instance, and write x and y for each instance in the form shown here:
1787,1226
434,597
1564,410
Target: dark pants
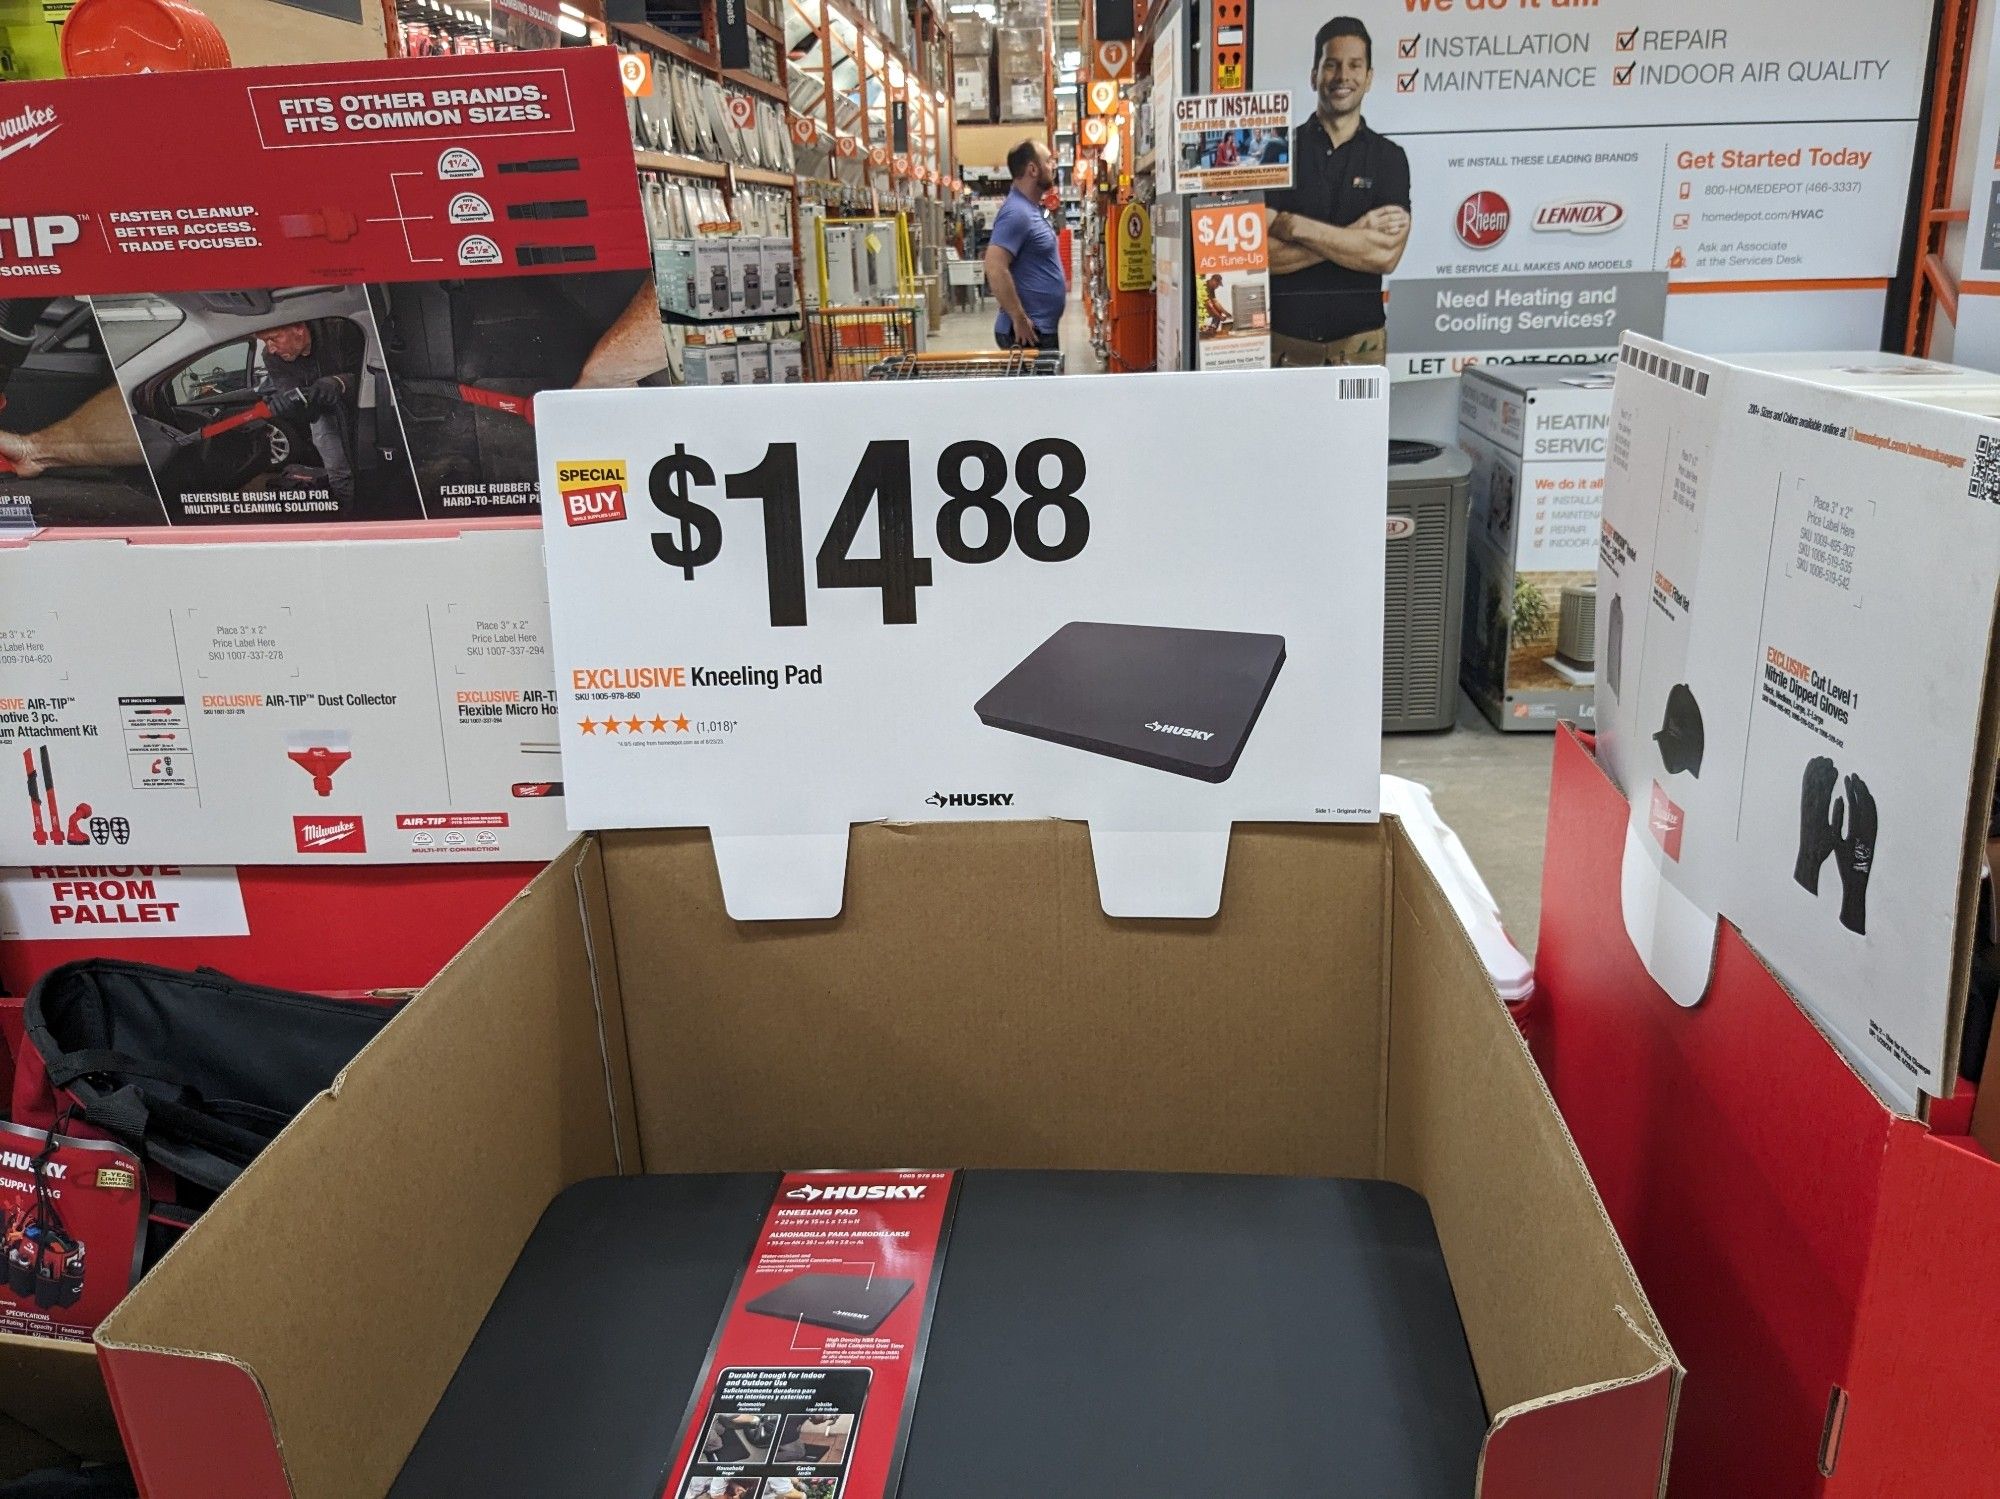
1050,342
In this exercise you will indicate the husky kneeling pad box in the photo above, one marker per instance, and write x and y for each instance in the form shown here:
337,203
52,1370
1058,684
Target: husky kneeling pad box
520,1245
1094,1332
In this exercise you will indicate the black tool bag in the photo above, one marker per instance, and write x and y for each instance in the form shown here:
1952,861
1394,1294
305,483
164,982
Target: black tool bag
194,1071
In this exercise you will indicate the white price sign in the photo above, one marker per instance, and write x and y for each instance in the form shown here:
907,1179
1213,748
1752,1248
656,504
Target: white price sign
778,611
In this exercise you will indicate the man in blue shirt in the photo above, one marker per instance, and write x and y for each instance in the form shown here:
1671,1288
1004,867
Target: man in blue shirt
1023,261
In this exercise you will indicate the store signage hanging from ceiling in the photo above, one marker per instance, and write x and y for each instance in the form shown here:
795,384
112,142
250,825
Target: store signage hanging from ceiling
1101,98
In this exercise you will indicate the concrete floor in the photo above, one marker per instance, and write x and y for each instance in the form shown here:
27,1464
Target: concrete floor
1493,789
974,330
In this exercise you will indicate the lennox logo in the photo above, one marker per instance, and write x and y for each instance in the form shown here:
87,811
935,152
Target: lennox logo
1173,728
329,835
877,1193
13,1160
30,127
1401,526
970,799
1579,216
1483,219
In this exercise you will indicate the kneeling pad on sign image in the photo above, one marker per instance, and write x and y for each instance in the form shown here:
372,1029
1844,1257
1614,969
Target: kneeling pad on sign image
1092,1333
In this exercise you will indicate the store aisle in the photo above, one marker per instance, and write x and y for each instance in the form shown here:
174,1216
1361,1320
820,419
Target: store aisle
974,331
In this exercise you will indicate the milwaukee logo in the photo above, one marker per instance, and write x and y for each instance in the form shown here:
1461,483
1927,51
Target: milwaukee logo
13,1160
843,1312
329,835
30,127
877,1193
1173,728
970,799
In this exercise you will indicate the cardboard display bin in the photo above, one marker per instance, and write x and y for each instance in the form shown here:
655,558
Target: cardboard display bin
334,930
1824,1264
970,1007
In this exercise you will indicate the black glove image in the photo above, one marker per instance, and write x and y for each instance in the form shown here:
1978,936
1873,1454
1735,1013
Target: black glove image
1817,834
289,402
1681,739
327,392
1854,854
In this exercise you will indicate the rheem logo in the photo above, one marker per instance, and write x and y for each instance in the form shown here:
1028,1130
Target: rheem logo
1482,220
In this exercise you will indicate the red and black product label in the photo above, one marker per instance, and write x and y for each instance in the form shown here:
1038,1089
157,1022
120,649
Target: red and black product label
336,303
812,1377
71,1220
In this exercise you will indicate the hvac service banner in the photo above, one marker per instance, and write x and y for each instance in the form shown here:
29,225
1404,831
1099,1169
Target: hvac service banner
334,299
1566,166
275,703
1796,593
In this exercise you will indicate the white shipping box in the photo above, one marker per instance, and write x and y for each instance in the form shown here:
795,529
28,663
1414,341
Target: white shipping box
266,702
1796,590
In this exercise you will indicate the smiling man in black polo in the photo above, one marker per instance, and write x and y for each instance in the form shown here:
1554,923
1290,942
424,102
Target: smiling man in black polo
1341,227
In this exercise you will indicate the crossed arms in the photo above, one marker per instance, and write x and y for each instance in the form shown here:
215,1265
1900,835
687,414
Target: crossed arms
1373,243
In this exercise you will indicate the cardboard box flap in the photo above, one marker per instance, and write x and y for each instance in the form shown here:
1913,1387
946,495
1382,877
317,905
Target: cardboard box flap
1034,1030
51,1403
383,1220
1551,1304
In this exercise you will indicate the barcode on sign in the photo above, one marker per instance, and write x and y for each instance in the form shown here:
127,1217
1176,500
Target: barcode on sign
1662,368
1363,389
1985,483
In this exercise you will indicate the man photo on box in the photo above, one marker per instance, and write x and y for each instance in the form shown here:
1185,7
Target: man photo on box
307,379
1342,225
1023,258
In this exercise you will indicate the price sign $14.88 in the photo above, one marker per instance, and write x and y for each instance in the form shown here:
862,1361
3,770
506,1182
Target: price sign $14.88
1032,503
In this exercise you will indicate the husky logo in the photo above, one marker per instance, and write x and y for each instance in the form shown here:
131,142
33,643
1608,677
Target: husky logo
30,127
1173,728
13,1160
459,163
970,799
878,1193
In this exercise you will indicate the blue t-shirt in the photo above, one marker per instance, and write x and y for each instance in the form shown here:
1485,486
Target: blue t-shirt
1022,232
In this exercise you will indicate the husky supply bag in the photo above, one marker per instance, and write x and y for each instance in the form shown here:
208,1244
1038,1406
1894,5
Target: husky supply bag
70,1218
194,1072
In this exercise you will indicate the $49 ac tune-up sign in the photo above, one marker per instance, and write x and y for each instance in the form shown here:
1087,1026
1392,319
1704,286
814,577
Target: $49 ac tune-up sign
782,611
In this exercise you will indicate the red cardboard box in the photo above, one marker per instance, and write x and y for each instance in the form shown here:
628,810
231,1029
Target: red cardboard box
1822,1264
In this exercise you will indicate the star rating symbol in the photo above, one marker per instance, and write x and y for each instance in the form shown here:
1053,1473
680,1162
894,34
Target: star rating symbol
654,725
635,725
658,725
681,724
589,726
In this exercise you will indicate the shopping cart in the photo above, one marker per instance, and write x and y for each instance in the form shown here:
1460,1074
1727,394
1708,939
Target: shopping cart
846,343
999,364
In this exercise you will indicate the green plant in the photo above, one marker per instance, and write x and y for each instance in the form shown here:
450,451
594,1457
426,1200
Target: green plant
1531,609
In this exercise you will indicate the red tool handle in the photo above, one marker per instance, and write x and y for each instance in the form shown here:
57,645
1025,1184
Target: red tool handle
261,411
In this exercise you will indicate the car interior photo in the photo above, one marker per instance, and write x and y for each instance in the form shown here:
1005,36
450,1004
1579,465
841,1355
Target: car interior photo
52,362
221,426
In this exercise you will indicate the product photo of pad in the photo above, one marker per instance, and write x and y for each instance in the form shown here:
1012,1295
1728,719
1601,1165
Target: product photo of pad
1182,701
854,1303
